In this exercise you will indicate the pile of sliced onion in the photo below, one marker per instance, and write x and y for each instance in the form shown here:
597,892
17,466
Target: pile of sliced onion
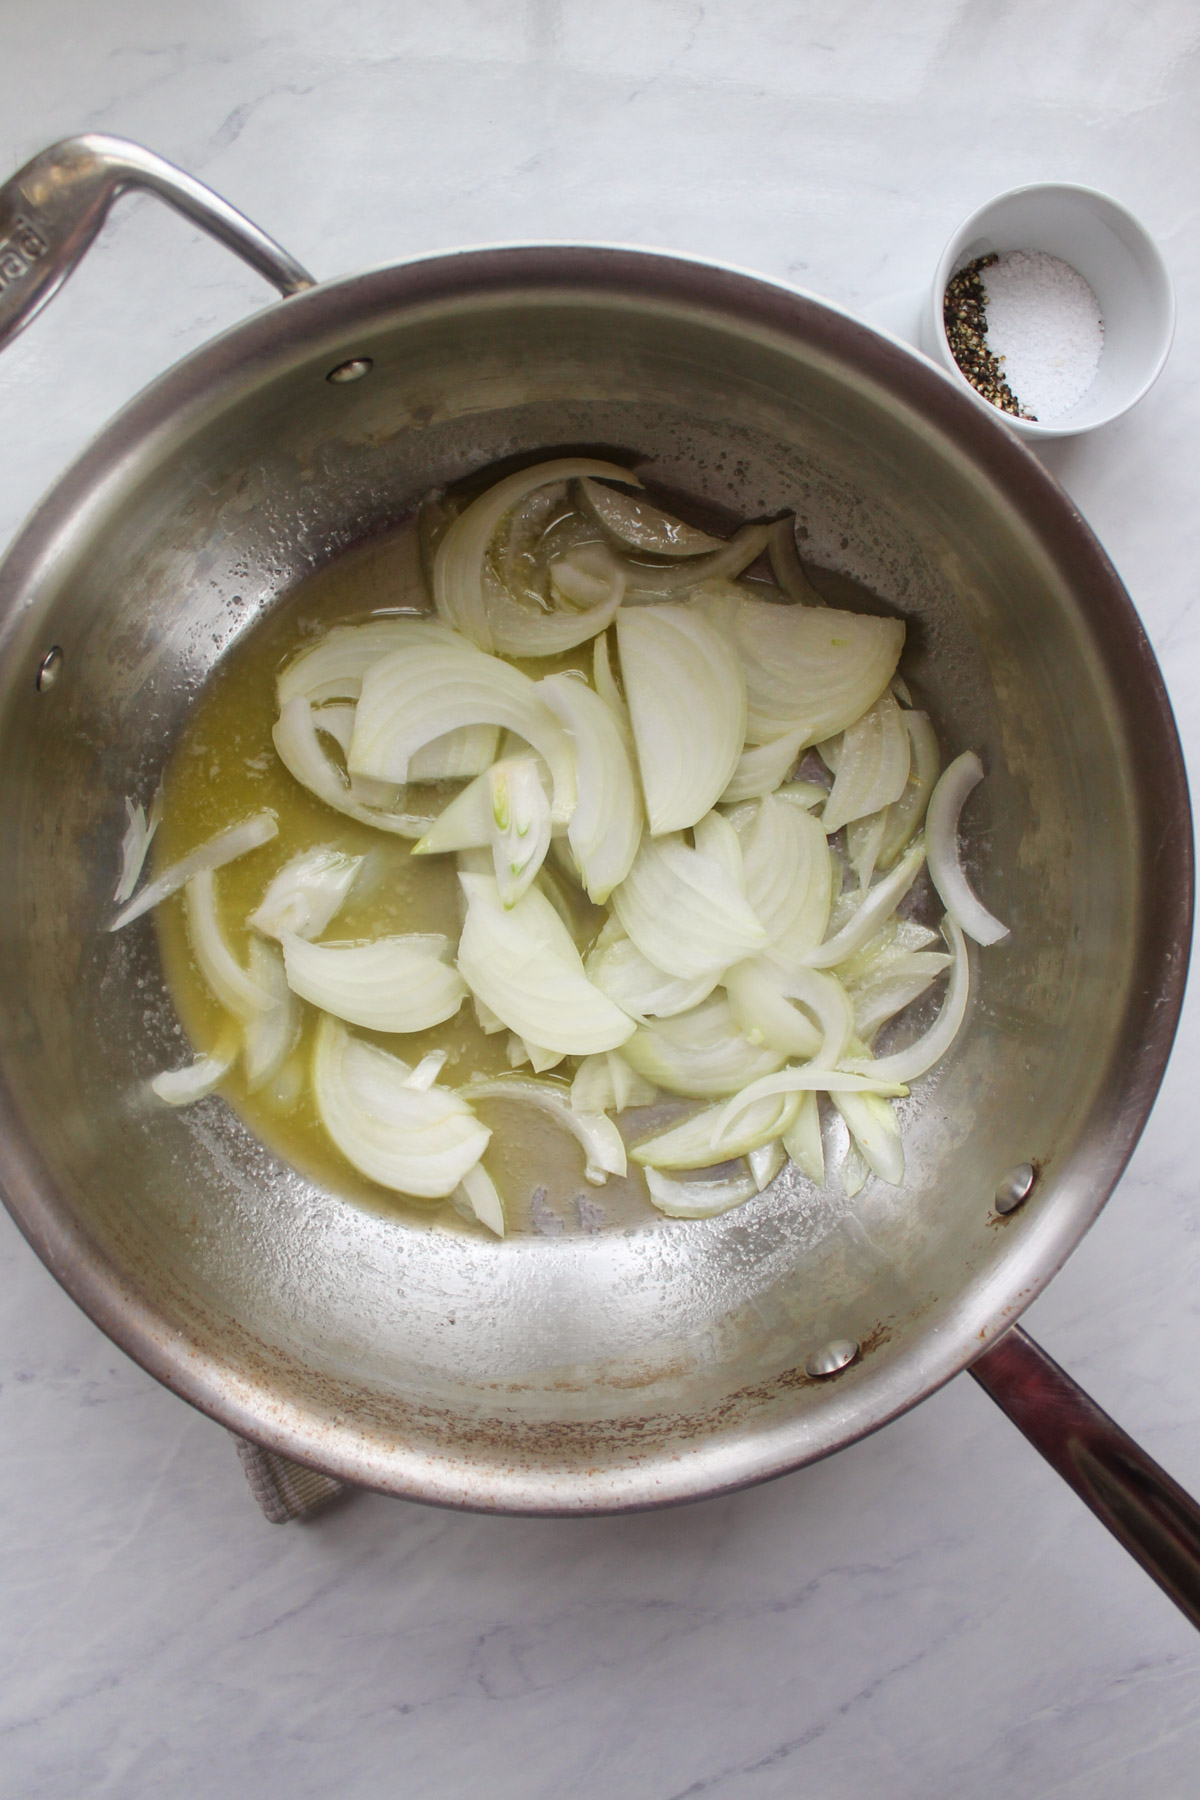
751,951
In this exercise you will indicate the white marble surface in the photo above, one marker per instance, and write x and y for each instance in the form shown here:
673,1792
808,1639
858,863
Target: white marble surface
929,1615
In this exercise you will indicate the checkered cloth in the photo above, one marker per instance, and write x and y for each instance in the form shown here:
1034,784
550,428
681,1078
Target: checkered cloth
285,1490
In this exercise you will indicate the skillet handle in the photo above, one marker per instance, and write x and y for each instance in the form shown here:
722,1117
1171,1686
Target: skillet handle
51,210
1148,1512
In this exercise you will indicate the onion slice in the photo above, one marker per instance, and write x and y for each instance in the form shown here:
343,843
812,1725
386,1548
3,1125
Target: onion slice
802,1140
299,750
875,907
600,1138
606,826
333,668
872,766
684,911
699,1199
941,832
789,876
734,555
697,1143
139,830
637,525
875,1130
237,991
522,963
303,897
269,1037
417,694
181,1087
764,767
810,667
458,590
701,1054
226,847
915,1059
414,1141
481,1197
727,1137
620,970
687,705
399,983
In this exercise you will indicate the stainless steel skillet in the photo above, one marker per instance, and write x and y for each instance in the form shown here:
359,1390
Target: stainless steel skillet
653,1362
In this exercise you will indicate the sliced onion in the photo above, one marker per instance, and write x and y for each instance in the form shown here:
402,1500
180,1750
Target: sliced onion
789,876
736,554
306,893
631,980
523,964
458,756
481,1197
608,1084
418,694
684,912
730,1129
466,823
904,817
519,824
139,830
459,562
701,1054
810,667
876,1131
300,752
714,836
864,839
226,847
686,698
420,1143
695,1144
802,1140
766,1162
605,683
394,984
766,1014
606,826
269,1037
181,1087
600,1138
698,1199
237,991
786,565
333,667
589,578
639,526
428,1070
866,918
762,768
941,831
905,1065
872,767
895,985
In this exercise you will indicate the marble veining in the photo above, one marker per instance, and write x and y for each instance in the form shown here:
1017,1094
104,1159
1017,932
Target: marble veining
929,1615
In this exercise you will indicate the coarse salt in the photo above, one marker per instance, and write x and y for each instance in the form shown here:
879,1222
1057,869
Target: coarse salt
1044,324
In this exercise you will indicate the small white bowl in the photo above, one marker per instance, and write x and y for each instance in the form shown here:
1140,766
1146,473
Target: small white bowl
1121,264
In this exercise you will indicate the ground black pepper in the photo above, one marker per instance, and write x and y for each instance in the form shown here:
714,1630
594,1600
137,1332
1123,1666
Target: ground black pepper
964,312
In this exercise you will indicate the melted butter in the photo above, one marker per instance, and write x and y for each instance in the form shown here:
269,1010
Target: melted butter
224,769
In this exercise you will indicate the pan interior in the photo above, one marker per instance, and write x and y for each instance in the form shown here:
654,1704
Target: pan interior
649,1359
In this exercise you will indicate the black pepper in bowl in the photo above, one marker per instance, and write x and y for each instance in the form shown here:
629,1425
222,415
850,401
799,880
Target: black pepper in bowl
964,313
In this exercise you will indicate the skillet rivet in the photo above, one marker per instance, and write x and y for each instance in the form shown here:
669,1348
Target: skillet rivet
50,670
354,370
1015,1188
832,1358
